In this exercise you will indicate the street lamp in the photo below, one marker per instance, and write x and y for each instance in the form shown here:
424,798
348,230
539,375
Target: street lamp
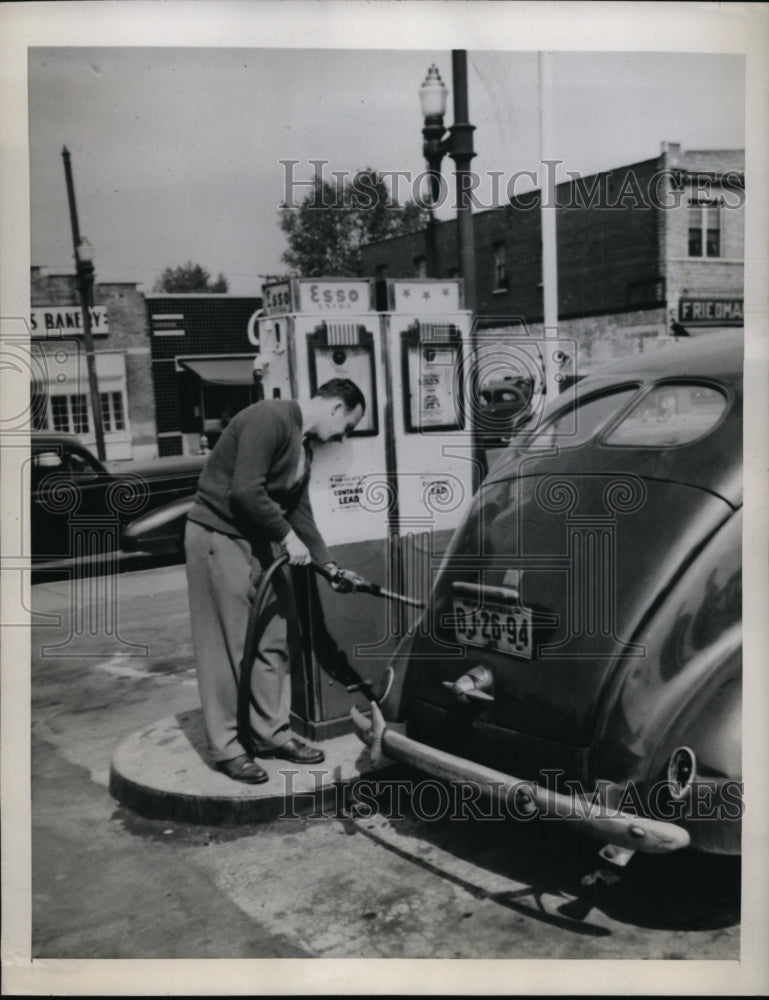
85,279
458,143
432,97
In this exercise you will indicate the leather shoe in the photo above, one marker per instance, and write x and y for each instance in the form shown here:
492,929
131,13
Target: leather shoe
243,769
297,752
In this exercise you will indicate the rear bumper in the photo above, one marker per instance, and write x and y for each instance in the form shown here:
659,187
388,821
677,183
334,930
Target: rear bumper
524,799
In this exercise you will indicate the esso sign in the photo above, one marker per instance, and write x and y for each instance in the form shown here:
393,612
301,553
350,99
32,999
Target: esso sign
334,296
318,295
277,299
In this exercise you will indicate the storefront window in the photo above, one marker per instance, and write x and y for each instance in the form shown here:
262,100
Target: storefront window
112,415
60,412
70,414
79,414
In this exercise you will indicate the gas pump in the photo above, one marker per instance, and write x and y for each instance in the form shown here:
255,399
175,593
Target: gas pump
314,330
387,498
427,335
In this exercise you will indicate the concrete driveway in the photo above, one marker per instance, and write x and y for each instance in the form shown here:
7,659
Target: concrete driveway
108,884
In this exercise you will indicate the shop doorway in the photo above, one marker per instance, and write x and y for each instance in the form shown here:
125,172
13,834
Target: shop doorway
219,404
212,391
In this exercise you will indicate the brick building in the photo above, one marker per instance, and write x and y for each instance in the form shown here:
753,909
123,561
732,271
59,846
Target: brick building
202,365
61,399
643,251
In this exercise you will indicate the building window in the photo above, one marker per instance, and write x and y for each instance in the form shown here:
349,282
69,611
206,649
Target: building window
70,414
60,412
112,414
420,267
500,267
704,229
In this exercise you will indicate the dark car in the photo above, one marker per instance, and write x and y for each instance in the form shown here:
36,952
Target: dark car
504,405
581,652
80,507
159,532
507,397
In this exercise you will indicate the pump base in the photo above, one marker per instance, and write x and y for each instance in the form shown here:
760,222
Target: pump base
326,729
165,772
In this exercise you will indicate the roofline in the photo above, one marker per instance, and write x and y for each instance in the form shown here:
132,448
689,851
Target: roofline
197,295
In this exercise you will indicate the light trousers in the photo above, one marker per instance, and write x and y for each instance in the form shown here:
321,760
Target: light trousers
222,576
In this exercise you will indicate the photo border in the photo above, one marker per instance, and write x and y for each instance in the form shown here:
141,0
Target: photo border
735,28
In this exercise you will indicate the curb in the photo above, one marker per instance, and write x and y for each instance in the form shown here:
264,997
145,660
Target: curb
165,772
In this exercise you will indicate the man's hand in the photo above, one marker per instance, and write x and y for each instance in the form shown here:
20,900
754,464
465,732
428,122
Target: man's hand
343,581
298,553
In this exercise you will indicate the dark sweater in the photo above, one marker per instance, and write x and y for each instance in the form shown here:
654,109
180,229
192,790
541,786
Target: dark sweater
248,486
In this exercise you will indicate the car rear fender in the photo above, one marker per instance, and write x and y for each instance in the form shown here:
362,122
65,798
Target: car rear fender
706,736
691,651
155,519
710,721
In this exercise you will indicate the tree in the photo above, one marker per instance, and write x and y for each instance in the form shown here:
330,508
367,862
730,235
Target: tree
189,278
325,233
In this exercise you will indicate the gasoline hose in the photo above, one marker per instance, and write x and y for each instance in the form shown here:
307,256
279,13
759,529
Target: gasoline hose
332,659
253,635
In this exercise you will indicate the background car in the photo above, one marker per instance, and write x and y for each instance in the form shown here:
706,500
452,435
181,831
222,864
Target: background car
584,629
79,505
159,532
503,403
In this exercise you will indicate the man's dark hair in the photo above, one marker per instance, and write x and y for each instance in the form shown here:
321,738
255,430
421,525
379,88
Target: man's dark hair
344,389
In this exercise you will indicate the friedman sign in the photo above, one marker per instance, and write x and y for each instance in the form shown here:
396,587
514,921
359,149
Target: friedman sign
720,312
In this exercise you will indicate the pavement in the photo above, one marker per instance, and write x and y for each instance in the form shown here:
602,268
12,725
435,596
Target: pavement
162,770
323,881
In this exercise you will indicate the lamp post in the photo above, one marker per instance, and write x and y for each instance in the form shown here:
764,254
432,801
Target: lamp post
459,146
432,96
85,281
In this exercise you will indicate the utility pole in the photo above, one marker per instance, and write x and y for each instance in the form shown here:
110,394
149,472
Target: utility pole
85,281
548,212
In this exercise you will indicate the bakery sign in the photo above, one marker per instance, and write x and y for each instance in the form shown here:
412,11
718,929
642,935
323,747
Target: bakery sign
711,312
53,321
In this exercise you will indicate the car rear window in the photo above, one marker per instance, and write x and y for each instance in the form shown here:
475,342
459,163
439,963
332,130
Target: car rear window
671,414
578,424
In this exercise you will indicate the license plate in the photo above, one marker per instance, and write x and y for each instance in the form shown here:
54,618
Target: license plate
496,627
